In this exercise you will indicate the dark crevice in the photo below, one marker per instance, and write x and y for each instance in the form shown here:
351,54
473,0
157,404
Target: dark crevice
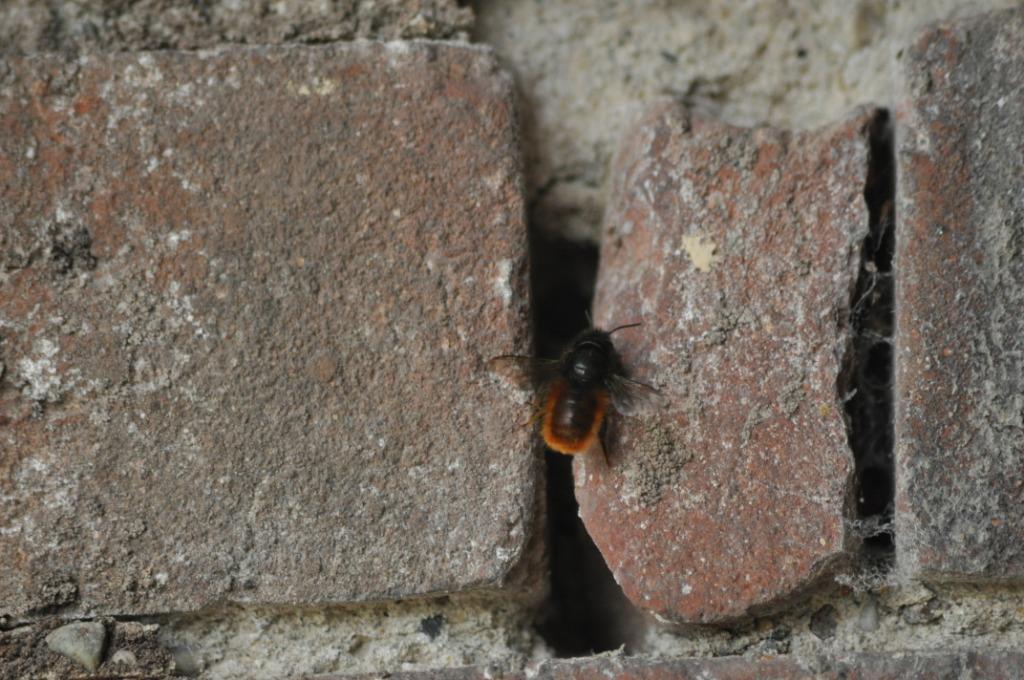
868,386
561,286
585,612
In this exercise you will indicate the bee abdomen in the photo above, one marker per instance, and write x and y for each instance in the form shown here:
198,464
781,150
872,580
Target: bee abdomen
573,417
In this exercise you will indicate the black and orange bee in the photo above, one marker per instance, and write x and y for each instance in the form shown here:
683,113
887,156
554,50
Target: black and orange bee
578,388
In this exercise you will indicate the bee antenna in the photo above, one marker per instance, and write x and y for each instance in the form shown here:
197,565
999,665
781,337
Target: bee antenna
590,321
628,325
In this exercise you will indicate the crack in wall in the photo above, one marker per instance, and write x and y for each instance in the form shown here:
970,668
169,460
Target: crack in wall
869,384
586,612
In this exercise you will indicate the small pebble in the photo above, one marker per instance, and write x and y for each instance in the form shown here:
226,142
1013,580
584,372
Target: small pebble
824,622
82,642
867,620
124,657
184,662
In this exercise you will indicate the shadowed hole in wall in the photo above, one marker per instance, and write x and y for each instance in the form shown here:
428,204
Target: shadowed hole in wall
869,389
586,611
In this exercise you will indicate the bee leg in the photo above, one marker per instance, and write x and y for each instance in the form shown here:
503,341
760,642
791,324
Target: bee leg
538,413
602,441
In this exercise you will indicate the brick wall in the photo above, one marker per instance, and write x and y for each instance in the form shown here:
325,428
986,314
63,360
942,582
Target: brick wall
255,260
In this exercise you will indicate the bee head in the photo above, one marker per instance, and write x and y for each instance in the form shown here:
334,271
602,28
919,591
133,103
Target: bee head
590,357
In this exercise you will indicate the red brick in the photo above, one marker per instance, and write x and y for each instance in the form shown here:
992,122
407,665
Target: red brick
738,250
245,301
959,301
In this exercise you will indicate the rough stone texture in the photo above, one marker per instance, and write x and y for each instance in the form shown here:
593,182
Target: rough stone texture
959,301
245,302
28,26
246,642
738,251
131,648
909,618
921,666
243,642
587,69
929,665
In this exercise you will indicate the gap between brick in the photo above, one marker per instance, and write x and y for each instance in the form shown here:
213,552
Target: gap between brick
868,384
586,611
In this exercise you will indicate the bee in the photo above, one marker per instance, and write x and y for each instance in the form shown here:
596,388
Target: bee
578,388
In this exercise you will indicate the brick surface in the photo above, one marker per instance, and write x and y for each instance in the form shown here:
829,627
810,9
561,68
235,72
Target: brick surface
738,250
959,301
245,300
864,666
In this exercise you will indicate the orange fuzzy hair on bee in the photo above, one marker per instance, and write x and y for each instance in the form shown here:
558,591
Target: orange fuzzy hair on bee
572,427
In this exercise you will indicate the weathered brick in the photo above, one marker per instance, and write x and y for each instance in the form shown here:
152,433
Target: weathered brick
245,297
738,250
959,301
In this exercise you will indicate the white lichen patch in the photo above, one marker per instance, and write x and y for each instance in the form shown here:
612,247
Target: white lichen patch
317,86
176,237
701,251
38,373
502,282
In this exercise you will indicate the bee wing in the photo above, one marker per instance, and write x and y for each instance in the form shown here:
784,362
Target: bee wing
632,398
522,371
